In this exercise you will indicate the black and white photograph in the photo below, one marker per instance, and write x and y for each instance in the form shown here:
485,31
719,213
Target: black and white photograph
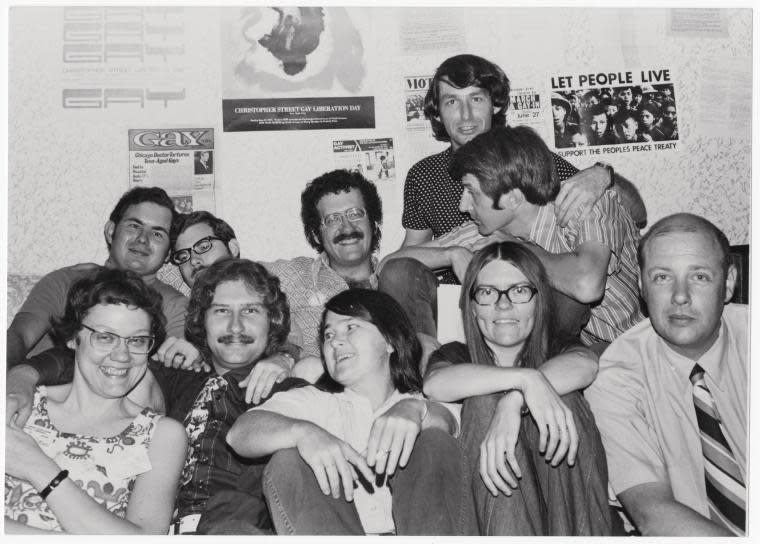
404,271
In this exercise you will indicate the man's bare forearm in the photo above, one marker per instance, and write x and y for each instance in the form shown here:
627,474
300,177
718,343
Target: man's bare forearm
631,200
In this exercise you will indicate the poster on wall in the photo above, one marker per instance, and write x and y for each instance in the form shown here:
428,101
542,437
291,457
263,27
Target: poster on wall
179,160
372,158
610,113
298,113
295,68
415,89
525,108
122,56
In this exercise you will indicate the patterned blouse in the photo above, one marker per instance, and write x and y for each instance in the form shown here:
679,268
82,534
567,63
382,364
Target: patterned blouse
104,467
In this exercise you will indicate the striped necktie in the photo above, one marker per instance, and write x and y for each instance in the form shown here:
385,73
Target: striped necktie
726,494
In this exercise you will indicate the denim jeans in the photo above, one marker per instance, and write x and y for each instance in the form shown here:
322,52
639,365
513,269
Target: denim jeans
549,501
414,286
427,493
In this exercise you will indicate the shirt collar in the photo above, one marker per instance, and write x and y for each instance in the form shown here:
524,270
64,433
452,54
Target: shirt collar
355,398
712,361
323,262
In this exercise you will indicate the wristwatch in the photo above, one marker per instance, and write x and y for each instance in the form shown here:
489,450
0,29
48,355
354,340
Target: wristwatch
610,171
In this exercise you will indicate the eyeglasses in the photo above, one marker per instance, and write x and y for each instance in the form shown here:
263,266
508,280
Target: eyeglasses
108,341
352,214
181,256
486,295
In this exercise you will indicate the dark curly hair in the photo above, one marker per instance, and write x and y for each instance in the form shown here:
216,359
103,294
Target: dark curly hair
388,316
258,280
463,71
109,286
335,182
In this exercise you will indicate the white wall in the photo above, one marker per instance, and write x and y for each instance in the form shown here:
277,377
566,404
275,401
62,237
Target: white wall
68,168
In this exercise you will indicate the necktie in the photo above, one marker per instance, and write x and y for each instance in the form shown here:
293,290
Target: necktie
726,493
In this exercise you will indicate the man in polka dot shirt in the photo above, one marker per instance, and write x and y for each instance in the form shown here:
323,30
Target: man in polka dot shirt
467,97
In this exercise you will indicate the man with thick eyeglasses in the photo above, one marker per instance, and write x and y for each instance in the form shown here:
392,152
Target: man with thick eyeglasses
201,239
341,213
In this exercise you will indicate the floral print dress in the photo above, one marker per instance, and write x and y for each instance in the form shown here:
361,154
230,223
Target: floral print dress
104,467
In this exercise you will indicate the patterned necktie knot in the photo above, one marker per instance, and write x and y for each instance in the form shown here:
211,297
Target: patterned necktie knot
697,374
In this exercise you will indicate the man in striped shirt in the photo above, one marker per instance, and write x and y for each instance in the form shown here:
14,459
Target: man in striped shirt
510,185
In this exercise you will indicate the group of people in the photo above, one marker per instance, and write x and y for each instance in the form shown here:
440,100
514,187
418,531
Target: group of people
310,395
614,116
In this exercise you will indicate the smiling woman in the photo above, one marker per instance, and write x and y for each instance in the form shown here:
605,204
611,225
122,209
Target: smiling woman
372,438
516,463
89,432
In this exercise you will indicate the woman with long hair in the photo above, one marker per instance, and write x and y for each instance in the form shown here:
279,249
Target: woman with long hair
89,460
371,437
523,414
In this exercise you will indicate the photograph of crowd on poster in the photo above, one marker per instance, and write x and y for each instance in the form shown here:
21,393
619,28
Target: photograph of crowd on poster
639,115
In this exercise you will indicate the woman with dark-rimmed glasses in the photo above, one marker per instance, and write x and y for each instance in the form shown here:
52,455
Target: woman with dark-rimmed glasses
89,460
534,459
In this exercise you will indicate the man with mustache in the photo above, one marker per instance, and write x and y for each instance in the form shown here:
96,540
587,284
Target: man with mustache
341,213
671,395
237,316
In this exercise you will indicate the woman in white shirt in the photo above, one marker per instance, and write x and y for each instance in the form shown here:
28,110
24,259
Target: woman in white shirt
372,456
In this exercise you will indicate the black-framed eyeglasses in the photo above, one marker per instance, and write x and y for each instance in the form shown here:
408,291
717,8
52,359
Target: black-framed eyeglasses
181,256
352,214
520,293
109,341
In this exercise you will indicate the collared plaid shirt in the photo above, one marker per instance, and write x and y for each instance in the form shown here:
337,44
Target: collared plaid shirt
308,284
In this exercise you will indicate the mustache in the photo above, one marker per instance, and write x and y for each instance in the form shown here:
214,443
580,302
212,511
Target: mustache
355,235
235,338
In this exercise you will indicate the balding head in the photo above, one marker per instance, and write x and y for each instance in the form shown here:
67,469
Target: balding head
687,222
686,280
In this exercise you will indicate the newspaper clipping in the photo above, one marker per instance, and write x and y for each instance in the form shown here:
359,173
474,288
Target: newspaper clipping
618,112
181,161
525,108
122,55
371,158
415,89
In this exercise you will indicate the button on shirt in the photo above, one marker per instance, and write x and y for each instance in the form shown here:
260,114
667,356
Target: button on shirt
348,416
643,405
